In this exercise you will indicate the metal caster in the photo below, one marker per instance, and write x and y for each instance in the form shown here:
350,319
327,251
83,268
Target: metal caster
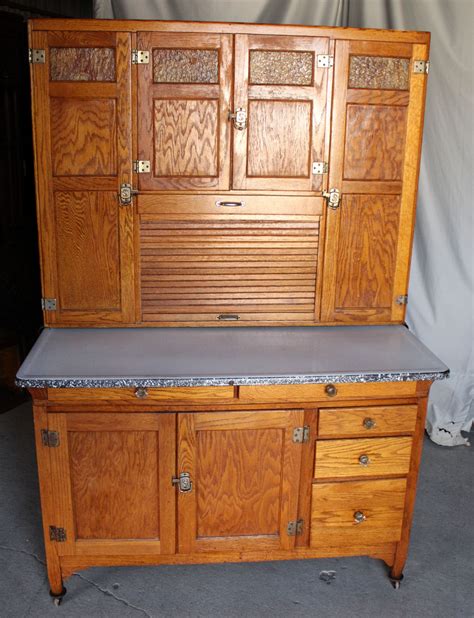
57,598
396,581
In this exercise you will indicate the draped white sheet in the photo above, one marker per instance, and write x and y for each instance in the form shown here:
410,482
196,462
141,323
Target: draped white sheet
441,294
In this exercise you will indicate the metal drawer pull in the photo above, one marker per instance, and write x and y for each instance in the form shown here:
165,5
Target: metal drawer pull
331,390
369,423
364,460
359,517
220,203
141,392
229,317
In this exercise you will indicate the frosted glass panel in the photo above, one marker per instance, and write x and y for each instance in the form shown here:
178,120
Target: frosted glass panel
186,66
379,73
82,64
281,67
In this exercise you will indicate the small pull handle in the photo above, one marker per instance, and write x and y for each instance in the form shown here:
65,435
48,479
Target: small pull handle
220,203
141,392
229,317
364,460
331,390
369,423
359,517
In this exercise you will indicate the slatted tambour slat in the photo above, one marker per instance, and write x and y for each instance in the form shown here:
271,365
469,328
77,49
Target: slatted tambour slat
200,270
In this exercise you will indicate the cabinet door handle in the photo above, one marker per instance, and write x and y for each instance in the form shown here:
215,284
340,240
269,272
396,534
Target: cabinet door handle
369,423
364,460
229,317
141,392
220,203
331,390
359,517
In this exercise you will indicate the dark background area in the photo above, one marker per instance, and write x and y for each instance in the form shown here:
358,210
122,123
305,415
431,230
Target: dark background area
20,288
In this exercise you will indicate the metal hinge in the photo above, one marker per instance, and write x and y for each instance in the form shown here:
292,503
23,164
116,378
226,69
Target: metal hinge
320,167
126,194
301,434
139,56
333,197
57,534
421,66
295,528
36,56
141,167
48,304
325,61
49,438
402,300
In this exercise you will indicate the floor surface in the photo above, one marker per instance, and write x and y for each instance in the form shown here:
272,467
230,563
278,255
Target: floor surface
439,575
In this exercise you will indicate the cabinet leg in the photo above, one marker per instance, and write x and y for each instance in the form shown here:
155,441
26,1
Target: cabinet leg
395,581
57,598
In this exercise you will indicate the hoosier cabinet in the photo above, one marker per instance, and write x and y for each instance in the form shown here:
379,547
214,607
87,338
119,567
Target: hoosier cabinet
257,183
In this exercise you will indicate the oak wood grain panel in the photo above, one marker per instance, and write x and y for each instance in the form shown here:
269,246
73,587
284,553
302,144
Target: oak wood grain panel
279,139
114,477
87,239
186,135
377,97
334,504
83,137
126,395
82,64
340,458
375,142
350,421
368,235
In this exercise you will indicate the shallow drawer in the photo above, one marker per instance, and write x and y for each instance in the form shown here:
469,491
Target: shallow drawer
127,395
375,420
365,457
357,512
234,205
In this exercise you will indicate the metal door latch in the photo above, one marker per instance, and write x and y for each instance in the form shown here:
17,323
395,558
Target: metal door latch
240,118
183,482
126,194
333,197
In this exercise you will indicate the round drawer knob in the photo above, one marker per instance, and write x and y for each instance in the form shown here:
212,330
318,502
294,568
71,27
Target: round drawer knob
369,423
359,517
141,392
331,390
364,460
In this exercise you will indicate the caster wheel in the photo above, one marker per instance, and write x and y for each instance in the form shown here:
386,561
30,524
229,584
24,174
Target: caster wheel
58,598
396,582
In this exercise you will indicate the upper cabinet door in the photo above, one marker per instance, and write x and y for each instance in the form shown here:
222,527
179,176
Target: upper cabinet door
82,124
377,123
183,107
282,92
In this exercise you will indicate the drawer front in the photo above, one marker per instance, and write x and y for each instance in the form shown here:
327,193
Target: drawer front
127,395
359,458
357,512
367,421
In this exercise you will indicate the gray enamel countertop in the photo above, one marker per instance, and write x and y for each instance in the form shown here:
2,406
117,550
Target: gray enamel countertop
120,357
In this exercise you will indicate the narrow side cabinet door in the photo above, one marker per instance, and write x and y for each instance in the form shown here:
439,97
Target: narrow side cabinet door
283,92
111,480
183,106
244,468
377,122
82,126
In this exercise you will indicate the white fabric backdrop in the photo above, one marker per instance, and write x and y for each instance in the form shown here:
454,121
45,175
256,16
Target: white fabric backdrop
441,294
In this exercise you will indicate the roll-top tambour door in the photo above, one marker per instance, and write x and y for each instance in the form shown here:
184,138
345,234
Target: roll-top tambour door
228,271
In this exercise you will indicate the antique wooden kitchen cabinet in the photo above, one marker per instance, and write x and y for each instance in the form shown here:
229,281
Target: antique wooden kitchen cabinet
226,175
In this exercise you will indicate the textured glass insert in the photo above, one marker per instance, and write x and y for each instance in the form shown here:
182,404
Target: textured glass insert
82,64
379,72
281,67
186,66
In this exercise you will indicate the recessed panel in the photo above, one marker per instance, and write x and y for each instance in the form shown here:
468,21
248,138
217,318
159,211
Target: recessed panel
186,137
114,484
83,137
87,243
186,66
281,67
238,482
375,142
279,139
82,64
366,256
379,72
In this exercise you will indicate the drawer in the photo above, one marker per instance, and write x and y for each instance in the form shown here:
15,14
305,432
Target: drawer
365,457
234,205
357,512
197,394
375,420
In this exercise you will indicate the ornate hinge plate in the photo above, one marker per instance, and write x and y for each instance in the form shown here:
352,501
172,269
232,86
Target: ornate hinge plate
295,528
50,438
36,56
57,534
140,56
421,66
301,434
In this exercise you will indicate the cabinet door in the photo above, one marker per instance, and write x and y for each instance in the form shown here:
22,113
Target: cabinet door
82,124
183,107
244,467
375,149
111,481
282,90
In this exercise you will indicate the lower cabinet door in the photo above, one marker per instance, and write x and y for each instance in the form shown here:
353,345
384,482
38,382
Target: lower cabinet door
111,483
244,472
